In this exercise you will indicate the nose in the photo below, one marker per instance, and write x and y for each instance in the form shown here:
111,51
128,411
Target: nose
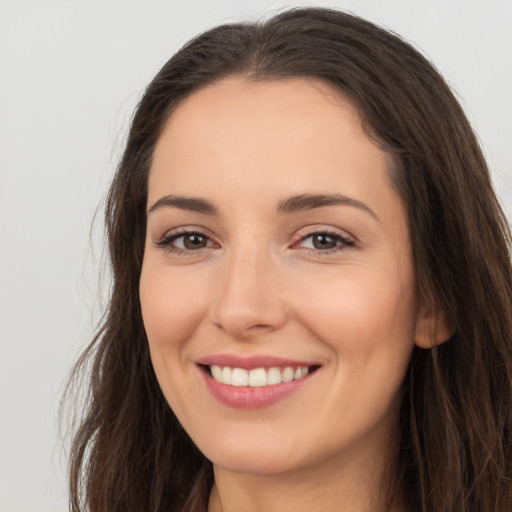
248,301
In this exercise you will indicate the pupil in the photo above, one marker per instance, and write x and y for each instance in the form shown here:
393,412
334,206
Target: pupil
324,242
194,242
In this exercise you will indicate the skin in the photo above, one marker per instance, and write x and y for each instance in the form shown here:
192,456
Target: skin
259,286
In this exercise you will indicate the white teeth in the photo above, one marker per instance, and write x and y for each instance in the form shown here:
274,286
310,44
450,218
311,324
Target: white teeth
258,377
239,377
288,374
273,376
216,373
226,375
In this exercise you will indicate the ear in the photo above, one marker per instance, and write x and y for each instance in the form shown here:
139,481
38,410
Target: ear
432,328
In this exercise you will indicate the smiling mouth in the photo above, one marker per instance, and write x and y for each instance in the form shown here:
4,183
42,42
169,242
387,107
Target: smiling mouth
257,377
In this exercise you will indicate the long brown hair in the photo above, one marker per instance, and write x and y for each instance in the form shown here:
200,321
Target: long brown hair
455,424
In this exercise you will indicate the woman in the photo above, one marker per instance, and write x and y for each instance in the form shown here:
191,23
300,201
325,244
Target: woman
312,290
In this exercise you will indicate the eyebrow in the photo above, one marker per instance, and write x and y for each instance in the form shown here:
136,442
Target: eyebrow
193,204
293,204
312,201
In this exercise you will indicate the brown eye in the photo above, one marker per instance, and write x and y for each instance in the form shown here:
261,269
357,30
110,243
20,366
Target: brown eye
324,241
194,241
186,241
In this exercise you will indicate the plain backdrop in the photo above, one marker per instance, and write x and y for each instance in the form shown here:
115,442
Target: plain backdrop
70,75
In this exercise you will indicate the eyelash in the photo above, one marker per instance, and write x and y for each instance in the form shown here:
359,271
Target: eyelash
342,242
167,240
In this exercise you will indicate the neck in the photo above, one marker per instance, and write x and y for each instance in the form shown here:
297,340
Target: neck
355,486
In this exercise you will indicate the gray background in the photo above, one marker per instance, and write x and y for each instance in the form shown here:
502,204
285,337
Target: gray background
70,75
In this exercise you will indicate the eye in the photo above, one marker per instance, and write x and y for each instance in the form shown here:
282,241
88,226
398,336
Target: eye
324,242
185,241
191,241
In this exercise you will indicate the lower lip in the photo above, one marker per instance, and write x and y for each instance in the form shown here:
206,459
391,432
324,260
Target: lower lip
246,397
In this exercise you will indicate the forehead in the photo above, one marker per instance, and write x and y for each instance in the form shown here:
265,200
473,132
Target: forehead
286,137
296,95
279,117
239,102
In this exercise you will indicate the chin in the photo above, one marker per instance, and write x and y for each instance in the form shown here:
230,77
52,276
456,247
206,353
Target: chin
256,458
254,465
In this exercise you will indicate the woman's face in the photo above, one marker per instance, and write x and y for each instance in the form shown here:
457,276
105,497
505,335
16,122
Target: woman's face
277,249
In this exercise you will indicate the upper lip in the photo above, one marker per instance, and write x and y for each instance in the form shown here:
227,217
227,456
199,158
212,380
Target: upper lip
252,362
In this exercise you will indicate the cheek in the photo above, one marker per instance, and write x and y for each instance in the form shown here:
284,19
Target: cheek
172,306
172,309
368,322
361,313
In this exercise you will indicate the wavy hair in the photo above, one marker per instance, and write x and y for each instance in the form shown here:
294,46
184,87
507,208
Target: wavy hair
455,423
